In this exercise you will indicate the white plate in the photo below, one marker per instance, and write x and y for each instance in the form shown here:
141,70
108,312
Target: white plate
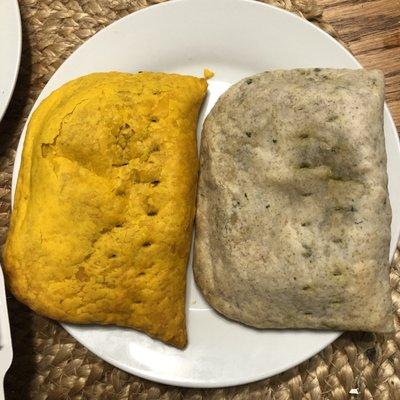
235,38
10,50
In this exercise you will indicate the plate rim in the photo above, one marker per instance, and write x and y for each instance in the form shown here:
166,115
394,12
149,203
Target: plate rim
193,384
18,31
147,374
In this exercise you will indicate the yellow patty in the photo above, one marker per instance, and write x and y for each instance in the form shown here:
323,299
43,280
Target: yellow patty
105,201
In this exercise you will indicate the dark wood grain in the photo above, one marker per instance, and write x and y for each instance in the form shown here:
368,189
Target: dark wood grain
371,30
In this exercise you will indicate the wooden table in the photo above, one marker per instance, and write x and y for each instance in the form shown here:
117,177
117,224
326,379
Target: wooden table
371,30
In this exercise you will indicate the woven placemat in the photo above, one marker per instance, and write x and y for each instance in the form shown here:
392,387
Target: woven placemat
48,363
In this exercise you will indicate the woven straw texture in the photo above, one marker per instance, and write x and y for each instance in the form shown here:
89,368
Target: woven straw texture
49,364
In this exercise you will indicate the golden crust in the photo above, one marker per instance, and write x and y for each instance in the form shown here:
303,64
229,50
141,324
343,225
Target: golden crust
105,201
